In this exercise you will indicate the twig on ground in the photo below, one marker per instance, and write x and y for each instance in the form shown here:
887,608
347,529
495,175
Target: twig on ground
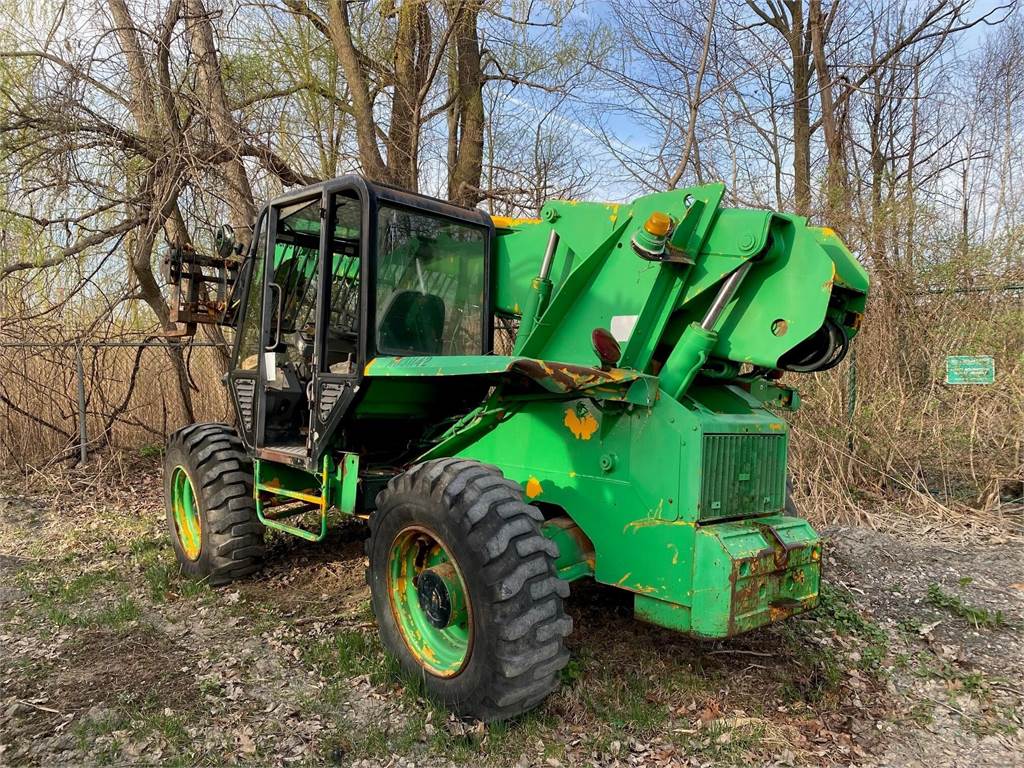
40,707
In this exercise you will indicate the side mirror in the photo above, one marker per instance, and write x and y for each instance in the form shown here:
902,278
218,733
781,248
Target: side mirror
224,239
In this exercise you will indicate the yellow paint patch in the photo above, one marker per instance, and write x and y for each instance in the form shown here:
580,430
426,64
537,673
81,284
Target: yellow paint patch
506,222
647,522
572,474
369,365
533,488
428,654
581,428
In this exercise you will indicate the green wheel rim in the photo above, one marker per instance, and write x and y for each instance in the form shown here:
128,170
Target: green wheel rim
186,514
442,651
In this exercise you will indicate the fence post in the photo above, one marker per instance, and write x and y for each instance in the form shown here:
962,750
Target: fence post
851,398
83,437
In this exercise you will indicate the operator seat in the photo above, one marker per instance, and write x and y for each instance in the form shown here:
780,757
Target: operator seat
413,324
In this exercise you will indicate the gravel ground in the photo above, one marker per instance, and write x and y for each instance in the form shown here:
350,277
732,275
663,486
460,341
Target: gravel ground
914,659
956,612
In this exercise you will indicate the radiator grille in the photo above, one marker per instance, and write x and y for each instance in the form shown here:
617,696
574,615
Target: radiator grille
742,475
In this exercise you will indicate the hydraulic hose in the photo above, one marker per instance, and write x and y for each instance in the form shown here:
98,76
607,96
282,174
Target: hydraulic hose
825,349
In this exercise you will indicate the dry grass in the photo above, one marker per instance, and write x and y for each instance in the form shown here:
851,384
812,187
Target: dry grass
133,399
287,666
917,453
918,449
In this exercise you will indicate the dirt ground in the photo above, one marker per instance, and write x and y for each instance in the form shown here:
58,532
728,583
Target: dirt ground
915,658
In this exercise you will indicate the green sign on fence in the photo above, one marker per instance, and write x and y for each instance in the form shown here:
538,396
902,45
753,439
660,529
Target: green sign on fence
970,369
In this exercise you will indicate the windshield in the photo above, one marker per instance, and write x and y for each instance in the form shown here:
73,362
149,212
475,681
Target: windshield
430,284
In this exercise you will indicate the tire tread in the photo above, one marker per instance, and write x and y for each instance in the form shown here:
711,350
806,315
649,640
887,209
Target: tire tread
222,473
519,578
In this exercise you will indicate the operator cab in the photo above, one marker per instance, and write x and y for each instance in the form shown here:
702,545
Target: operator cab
338,273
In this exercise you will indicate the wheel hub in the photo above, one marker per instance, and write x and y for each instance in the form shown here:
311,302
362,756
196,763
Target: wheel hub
429,601
186,514
440,596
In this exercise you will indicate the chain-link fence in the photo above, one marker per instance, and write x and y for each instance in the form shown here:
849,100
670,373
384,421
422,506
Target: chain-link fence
887,430
882,427
62,401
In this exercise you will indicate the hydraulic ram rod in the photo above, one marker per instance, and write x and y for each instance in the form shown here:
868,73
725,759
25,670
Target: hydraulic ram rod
540,292
724,296
696,342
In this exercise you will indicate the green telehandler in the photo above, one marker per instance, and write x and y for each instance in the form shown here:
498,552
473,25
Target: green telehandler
626,431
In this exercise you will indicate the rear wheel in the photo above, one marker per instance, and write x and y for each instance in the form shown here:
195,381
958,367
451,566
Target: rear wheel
464,588
210,509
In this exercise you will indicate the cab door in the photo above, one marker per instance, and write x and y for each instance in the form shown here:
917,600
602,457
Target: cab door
340,353
289,328
243,376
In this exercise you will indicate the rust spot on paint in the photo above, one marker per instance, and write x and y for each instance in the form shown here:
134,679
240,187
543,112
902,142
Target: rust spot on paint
428,654
827,287
533,488
566,377
783,608
582,428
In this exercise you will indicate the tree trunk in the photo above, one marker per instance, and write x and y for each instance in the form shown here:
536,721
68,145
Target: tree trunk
359,91
411,61
695,100
464,176
801,109
836,185
225,129
797,37
158,193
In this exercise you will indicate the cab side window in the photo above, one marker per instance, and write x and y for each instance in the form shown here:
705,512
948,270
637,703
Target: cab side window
430,284
249,327
344,299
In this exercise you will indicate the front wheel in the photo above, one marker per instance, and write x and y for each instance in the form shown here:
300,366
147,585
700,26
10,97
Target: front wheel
211,513
464,588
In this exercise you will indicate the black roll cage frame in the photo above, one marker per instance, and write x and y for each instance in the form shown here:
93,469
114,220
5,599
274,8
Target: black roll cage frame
370,196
